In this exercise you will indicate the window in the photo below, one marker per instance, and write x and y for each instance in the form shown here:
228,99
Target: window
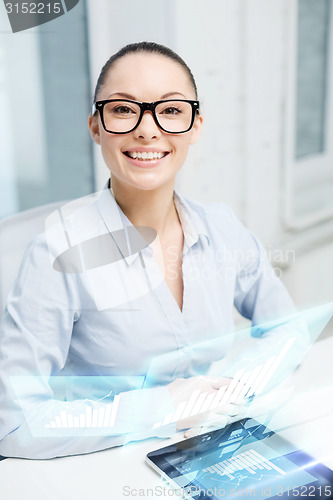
309,136
46,150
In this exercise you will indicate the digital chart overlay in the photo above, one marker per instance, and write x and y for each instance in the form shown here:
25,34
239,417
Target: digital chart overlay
244,385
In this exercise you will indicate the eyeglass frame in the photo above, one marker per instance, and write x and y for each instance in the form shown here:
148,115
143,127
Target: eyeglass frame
145,106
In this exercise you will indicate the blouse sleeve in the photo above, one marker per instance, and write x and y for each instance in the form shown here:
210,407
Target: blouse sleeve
35,336
259,293
261,297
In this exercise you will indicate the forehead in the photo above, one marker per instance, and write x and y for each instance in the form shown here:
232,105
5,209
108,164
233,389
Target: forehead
147,77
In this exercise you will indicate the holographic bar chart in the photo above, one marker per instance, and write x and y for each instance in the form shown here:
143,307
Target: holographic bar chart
260,384
105,416
243,385
251,461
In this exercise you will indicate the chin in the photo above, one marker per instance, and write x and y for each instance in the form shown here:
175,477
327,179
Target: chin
150,184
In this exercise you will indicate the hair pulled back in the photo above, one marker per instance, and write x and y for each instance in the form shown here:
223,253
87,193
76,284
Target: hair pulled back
142,47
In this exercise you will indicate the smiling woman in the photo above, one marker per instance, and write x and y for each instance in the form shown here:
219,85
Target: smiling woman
130,301
155,112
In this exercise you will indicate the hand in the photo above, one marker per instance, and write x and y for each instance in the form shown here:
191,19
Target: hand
218,419
221,415
181,391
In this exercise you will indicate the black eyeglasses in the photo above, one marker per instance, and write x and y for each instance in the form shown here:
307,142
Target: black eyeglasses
121,116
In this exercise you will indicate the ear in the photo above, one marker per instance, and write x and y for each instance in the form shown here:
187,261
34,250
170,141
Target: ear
94,128
196,129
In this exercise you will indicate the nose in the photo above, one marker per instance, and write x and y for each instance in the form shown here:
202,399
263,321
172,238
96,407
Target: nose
147,128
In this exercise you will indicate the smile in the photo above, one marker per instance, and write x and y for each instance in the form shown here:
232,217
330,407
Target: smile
145,156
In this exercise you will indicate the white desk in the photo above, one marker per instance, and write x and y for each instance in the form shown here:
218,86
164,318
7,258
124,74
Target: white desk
103,475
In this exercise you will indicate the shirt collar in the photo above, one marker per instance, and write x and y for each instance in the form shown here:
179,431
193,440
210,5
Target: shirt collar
193,226
115,219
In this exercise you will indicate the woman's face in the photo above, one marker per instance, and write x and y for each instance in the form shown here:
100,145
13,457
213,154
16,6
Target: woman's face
145,78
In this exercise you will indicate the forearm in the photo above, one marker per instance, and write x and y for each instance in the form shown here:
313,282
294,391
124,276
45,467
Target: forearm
54,428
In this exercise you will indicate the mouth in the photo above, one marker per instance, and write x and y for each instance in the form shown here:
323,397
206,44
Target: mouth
146,156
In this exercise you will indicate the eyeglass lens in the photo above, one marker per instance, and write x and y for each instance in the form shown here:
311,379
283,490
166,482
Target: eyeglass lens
123,116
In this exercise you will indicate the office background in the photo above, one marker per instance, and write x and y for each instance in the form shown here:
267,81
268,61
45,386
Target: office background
264,71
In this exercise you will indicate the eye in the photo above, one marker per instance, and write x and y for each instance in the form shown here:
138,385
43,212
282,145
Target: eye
123,110
171,110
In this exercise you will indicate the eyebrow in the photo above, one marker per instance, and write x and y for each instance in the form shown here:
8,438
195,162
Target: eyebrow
132,98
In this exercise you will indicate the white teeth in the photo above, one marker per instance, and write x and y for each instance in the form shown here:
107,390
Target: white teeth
145,156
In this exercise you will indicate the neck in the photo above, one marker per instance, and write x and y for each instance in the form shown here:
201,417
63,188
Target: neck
153,208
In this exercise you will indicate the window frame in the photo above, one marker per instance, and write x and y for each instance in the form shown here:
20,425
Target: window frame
303,174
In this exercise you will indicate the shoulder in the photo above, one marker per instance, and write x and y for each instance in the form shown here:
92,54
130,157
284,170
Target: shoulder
210,209
214,215
222,227
65,227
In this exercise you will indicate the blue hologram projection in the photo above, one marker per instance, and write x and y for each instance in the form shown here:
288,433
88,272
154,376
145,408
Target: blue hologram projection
85,405
109,405
244,459
255,372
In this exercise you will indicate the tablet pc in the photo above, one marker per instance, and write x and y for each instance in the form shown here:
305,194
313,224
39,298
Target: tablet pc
244,459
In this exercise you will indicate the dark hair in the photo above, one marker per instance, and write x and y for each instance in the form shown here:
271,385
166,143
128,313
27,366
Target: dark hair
143,47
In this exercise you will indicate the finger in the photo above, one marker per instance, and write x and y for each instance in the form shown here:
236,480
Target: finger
229,409
214,419
194,431
216,422
205,418
218,382
231,416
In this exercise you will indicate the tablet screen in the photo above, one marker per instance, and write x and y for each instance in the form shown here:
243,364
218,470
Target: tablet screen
245,459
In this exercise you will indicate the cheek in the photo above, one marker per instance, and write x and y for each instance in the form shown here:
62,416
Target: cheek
182,148
111,147
110,156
